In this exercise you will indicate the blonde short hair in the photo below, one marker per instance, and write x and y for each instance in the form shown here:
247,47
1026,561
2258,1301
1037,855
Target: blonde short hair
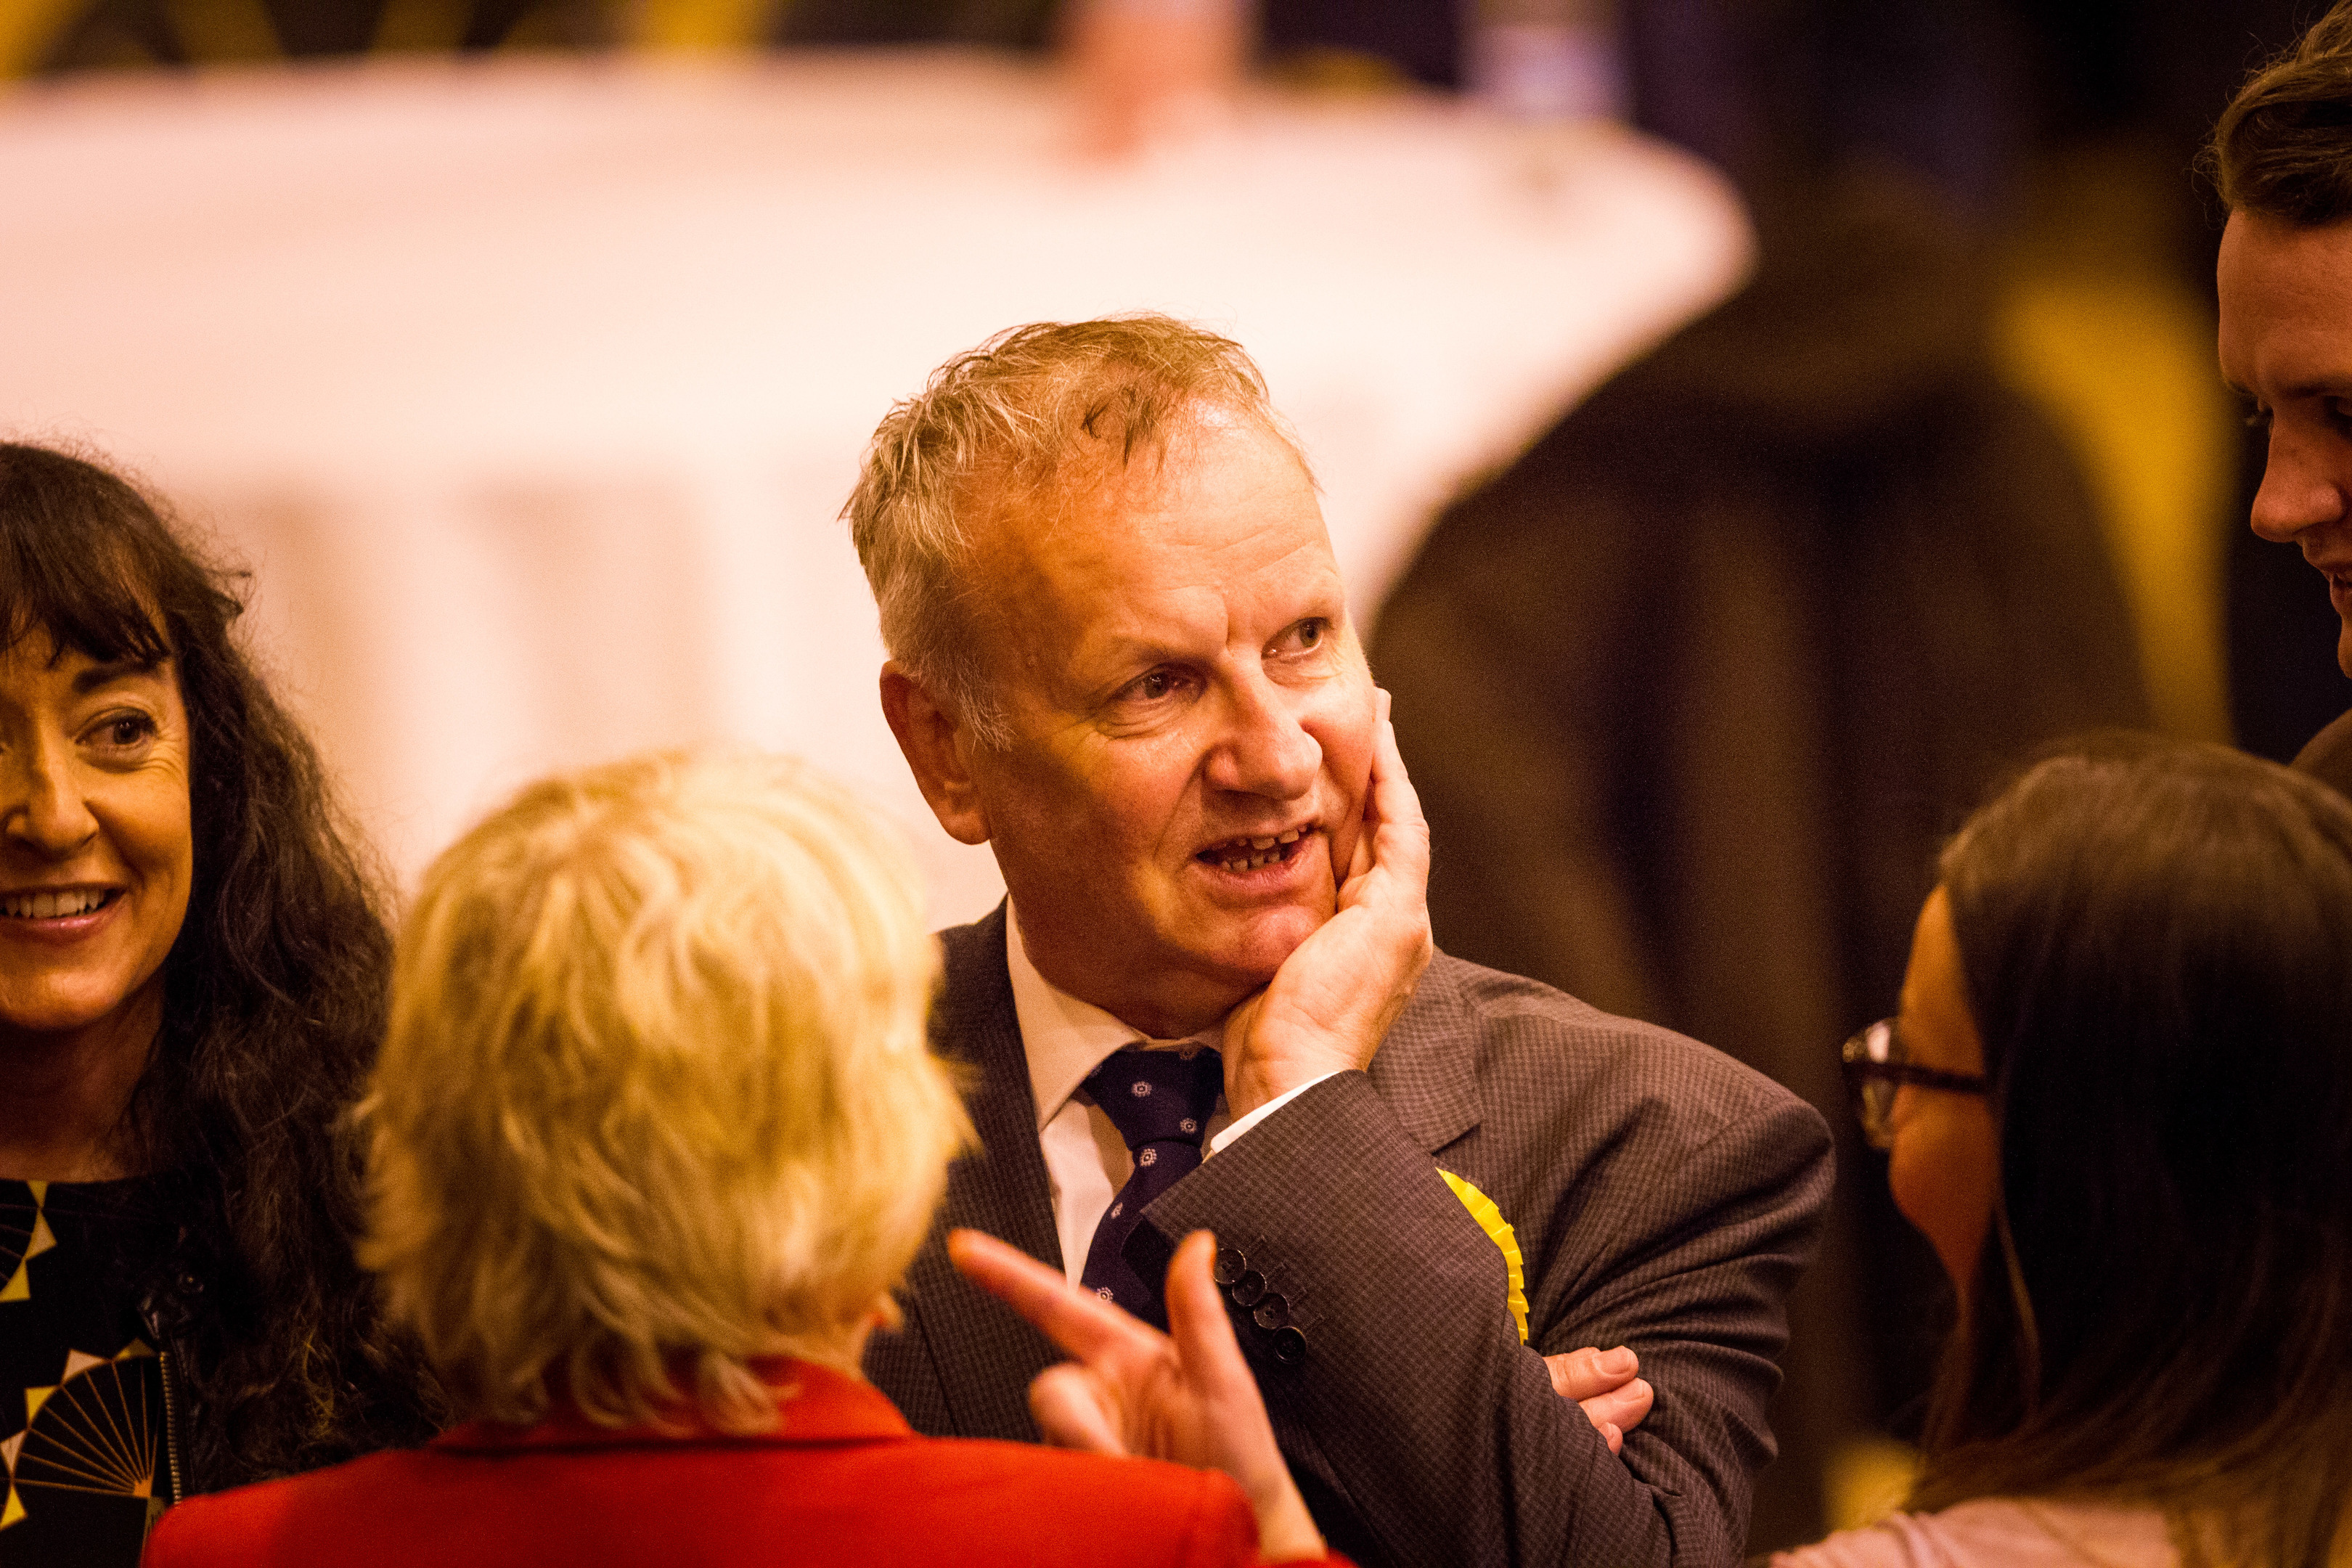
655,1092
1011,411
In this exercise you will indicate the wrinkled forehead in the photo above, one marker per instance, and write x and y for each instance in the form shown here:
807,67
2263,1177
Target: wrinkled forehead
1070,499
1218,496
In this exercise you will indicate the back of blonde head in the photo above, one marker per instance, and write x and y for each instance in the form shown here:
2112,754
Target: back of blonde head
656,1096
1010,417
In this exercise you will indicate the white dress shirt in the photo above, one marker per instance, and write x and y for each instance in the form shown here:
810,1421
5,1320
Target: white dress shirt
1087,1160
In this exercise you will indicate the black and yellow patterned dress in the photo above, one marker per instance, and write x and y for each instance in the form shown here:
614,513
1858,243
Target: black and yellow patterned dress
83,1395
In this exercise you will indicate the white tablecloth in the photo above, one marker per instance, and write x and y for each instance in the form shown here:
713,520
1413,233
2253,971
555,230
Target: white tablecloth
530,391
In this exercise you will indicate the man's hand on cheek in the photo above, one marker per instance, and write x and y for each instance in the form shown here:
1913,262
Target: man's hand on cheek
1332,1001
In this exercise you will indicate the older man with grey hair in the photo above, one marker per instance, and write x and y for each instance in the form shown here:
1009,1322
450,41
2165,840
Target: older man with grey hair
1121,655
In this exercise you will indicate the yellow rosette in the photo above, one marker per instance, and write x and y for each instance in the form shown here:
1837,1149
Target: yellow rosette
1498,1231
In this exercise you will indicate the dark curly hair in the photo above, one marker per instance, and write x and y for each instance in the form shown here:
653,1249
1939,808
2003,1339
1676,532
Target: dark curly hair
2153,943
275,993
2284,147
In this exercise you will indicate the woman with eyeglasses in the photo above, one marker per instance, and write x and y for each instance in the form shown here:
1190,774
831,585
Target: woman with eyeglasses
2119,1102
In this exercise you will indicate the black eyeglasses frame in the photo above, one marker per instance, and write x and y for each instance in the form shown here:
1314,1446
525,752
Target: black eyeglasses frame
1870,1059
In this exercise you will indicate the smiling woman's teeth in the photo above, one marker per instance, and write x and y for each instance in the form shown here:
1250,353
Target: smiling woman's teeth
50,906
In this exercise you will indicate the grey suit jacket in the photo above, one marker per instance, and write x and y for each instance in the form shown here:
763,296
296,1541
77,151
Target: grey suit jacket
1663,1198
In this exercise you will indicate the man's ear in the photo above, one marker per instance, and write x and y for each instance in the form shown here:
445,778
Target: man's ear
938,748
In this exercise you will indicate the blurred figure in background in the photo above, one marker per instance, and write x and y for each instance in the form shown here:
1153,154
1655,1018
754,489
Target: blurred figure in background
653,1136
2281,157
1695,687
2118,1102
192,986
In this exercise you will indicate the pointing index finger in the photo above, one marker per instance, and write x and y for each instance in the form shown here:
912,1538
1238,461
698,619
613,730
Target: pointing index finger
1084,1325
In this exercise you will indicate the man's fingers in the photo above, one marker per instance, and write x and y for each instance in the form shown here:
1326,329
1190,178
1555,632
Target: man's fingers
1580,1375
1359,860
1235,1041
1070,1414
1400,831
1395,836
1352,847
1084,1325
1574,1375
1384,762
1604,1384
1619,1410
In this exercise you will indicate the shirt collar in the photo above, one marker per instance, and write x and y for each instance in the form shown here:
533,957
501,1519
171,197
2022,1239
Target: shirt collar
1063,1038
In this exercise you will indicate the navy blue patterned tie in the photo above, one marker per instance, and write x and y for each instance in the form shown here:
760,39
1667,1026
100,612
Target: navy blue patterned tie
1160,1102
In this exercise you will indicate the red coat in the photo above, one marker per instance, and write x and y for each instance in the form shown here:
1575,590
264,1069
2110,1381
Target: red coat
845,1481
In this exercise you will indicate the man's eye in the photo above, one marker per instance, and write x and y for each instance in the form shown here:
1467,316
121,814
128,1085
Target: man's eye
1153,686
2258,418
1306,636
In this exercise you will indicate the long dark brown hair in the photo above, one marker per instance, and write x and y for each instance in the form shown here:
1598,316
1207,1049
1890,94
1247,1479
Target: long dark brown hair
2157,943
274,995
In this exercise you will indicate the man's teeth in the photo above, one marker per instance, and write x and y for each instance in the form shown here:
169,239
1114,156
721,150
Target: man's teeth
1263,851
50,906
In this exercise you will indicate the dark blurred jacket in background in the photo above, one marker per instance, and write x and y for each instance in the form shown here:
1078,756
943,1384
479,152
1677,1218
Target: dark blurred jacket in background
1693,691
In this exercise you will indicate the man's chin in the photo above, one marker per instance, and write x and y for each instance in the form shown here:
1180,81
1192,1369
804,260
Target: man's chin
1262,941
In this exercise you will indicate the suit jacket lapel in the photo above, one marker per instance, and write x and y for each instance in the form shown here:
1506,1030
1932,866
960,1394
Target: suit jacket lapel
980,1355
984,1354
1424,1069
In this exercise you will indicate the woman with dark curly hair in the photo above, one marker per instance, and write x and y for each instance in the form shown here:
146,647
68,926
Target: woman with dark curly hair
2119,1102
193,971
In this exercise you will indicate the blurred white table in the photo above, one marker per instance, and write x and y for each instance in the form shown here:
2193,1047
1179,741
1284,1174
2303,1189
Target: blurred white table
530,391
